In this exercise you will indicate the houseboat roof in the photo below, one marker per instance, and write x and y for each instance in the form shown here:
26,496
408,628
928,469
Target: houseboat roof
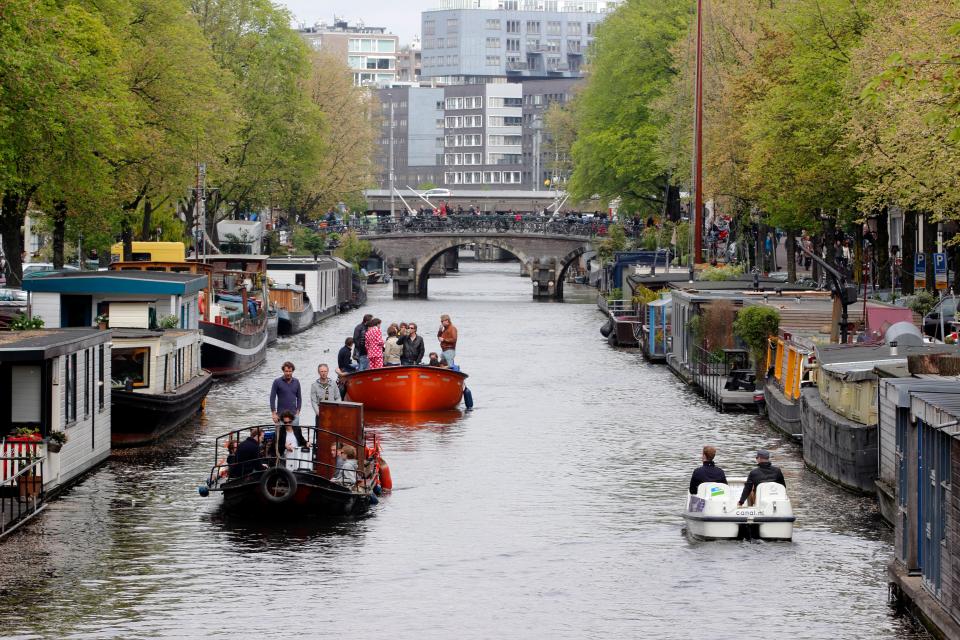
742,285
862,362
140,334
40,344
904,387
125,282
300,263
215,257
940,408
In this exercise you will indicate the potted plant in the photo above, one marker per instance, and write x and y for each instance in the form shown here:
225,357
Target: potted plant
30,484
25,434
103,321
56,440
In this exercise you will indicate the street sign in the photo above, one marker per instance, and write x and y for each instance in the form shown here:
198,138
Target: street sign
920,271
940,269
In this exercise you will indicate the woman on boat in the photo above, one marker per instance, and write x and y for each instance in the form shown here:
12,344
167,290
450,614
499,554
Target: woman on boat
290,440
392,350
374,343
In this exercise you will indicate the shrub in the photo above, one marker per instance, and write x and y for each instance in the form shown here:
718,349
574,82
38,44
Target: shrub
922,303
24,323
755,325
726,272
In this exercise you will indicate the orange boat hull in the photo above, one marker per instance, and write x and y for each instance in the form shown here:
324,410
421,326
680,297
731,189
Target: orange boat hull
406,388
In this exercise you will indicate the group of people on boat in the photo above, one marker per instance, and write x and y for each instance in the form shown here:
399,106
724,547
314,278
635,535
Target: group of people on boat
710,472
403,346
286,395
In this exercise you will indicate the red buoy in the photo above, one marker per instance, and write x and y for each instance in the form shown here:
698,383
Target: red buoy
386,481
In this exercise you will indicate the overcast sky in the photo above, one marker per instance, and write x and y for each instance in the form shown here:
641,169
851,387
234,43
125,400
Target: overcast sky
401,17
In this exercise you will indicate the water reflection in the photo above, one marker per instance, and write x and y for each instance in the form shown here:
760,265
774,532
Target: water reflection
419,420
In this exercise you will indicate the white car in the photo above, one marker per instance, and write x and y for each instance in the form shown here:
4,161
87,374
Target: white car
436,193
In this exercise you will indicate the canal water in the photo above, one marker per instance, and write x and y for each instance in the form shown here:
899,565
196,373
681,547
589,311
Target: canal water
550,511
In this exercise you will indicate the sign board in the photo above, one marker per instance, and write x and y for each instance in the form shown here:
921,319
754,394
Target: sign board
920,271
940,270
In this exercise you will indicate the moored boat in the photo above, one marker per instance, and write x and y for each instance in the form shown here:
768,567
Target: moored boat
713,513
306,482
294,310
406,388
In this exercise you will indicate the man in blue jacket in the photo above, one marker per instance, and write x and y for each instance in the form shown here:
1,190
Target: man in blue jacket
285,395
708,471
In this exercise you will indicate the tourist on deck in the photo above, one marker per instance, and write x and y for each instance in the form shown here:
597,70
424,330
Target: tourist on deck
347,472
344,359
248,458
447,334
763,472
412,346
360,344
374,344
290,440
708,471
434,360
392,350
285,394
324,389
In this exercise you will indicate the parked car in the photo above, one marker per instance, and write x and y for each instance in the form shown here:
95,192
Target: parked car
931,321
33,269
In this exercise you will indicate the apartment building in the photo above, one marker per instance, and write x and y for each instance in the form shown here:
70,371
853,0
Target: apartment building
467,41
370,52
409,62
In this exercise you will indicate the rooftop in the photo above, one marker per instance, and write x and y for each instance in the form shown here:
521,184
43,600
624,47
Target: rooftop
121,282
39,344
873,355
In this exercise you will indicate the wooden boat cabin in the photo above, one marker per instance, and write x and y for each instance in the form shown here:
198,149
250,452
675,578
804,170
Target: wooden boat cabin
53,387
321,280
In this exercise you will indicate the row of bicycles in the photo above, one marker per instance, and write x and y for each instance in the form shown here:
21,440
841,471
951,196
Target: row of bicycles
485,224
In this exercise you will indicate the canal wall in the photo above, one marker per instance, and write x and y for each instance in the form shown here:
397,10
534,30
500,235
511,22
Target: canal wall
840,450
782,413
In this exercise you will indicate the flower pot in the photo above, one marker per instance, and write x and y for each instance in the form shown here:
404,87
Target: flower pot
30,486
102,325
54,447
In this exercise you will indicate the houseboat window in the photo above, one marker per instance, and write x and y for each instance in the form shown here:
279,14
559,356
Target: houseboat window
100,378
87,379
71,395
130,363
25,394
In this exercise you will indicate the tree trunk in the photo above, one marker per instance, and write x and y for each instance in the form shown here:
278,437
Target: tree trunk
858,275
145,225
881,250
59,232
14,209
817,242
126,237
929,248
908,251
791,255
830,240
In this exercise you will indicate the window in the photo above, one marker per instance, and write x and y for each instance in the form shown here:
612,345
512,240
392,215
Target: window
591,28
87,378
491,177
553,45
573,46
513,102
493,43
454,103
533,44
131,364
501,141
453,25
574,29
513,44
493,24
533,26
513,26
71,389
386,46
553,28
100,374
353,44
453,42
505,121
493,61
454,122
429,28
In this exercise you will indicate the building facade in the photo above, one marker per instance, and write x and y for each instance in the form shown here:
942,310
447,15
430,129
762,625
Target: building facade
417,131
409,62
467,40
370,52
546,165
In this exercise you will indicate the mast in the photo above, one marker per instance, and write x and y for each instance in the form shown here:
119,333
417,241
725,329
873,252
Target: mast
696,218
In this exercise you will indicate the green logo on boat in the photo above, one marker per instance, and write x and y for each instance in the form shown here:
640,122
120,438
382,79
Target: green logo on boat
716,491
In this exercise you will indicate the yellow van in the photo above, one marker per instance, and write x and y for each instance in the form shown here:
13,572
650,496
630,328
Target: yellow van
151,252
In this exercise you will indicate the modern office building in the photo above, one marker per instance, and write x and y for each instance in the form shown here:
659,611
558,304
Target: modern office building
417,136
370,52
466,41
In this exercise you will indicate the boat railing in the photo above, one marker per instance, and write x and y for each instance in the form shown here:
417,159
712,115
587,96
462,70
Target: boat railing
21,492
270,457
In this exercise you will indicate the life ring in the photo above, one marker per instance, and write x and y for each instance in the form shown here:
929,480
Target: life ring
278,485
386,480
202,303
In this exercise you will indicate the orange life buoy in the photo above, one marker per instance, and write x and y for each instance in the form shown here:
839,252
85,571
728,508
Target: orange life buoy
386,480
202,304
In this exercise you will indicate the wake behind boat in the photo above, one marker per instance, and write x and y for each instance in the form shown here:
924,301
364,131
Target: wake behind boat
713,514
406,388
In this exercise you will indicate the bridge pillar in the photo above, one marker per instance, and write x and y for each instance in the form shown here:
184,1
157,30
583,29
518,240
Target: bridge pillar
543,274
404,275
451,259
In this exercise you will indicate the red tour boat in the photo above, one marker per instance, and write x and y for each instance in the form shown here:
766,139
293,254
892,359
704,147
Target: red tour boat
413,388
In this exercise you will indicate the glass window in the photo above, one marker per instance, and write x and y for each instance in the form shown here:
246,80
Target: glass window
386,46
130,364
574,29
493,23
493,61
100,384
533,26
452,25
429,28
354,44
493,43
553,28
513,26
513,44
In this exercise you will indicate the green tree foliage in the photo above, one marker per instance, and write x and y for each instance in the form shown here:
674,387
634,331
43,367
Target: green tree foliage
353,249
616,240
309,241
631,66
755,325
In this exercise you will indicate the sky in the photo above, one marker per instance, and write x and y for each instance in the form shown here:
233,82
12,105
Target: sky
401,17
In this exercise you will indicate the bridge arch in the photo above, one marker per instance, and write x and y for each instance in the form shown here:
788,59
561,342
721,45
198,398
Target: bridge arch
425,263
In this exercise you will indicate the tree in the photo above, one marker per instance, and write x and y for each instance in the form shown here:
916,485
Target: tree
353,249
310,241
616,240
755,325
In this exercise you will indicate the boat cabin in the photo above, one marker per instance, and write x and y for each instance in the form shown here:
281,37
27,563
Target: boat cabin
655,339
53,381
320,279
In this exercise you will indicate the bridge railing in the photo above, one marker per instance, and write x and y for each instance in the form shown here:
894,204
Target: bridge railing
484,224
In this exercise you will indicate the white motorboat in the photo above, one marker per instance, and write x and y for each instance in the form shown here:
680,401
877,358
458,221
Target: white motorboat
713,514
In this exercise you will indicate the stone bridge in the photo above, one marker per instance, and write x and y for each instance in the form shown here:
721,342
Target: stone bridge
545,257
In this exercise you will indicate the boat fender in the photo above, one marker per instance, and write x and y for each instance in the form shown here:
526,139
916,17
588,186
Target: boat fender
468,398
374,499
268,477
377,489
386,480
203,491
607,328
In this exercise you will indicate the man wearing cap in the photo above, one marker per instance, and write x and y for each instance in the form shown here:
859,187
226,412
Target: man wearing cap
708,472
764,472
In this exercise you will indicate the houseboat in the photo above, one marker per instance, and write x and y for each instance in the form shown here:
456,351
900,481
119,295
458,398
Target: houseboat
54,415
655,329
294,310
327,282
157,382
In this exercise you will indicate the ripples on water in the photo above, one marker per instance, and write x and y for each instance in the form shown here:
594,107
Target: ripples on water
552,510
